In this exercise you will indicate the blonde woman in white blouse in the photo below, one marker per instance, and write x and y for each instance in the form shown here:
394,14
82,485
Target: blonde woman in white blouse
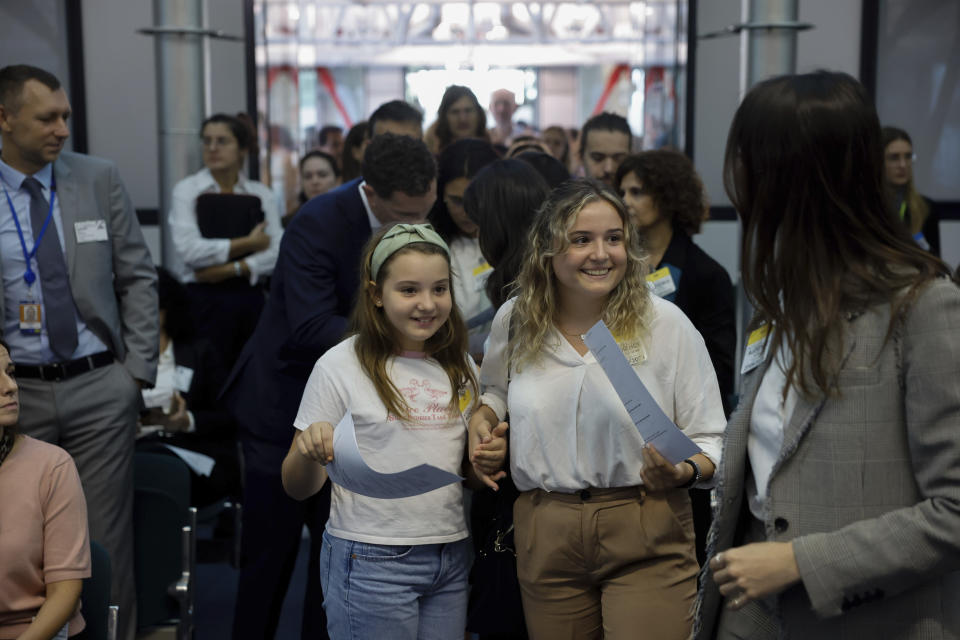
604,531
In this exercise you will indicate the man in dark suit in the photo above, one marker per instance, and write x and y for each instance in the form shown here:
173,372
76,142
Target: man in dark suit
72,255
312,293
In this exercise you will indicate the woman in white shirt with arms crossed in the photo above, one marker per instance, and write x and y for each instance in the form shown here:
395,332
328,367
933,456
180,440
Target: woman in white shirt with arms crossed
225,276
604,531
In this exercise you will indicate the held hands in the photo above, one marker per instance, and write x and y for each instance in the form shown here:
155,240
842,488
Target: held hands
316,442
488,450
754,571
658,474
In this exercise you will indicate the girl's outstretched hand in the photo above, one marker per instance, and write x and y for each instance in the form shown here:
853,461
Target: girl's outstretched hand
316,442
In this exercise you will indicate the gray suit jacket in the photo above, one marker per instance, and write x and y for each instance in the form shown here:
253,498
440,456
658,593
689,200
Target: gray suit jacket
114,283
867,485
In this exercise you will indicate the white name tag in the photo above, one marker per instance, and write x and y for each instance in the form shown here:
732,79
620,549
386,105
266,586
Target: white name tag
756,351
91,231
661,282
182,378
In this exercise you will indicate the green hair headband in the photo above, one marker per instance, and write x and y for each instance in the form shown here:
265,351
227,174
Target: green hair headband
399,236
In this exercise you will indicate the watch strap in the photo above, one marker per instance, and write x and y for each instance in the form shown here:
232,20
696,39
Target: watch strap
695,478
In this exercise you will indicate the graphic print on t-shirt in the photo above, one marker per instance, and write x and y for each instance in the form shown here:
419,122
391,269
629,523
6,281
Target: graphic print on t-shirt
429,406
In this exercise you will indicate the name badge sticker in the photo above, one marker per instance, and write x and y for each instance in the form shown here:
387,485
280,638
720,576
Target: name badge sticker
466,400
633,350
90,231
756,351
480,275
661,282
182,378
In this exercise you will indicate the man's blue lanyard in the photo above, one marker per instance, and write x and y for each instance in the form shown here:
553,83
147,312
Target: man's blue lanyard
29,276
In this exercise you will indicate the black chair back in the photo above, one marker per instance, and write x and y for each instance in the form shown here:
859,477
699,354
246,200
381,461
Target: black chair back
95,597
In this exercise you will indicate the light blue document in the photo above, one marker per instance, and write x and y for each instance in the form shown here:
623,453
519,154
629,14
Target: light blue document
349,470
652,423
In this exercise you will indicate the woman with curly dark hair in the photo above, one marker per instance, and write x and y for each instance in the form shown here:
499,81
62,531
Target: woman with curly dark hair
667,202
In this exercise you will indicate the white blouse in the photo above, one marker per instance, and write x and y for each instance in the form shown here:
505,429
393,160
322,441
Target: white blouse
768,420
196,251
568,428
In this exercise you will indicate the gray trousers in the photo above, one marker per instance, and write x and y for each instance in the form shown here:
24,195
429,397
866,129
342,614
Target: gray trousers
93,416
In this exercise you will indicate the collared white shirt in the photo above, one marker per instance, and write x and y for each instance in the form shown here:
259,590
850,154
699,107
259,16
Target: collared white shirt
568,428
198,252
31,349
374,222
768,419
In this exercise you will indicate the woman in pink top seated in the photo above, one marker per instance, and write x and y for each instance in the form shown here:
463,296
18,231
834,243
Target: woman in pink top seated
44,549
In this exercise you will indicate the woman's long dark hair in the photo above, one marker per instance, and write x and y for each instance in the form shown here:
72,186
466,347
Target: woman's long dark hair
462,159
503,200
804,170
453,93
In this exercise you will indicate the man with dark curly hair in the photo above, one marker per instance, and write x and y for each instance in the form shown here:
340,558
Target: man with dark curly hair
311,296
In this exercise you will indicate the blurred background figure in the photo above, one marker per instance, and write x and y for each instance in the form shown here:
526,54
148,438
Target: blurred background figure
457,166
226,276
182,406
604,142
523,144
330,140
318,174
916,212
459,116
557,144
503,104
352,153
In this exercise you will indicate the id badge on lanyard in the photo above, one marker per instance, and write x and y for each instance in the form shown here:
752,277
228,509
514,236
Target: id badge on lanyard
31,317
31,311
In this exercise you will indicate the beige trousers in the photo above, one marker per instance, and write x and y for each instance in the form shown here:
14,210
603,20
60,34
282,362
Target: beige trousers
606,563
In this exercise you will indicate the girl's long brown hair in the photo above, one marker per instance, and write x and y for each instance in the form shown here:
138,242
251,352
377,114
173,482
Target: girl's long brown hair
804,170
376,338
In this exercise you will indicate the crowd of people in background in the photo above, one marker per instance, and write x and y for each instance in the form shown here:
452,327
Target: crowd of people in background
439,287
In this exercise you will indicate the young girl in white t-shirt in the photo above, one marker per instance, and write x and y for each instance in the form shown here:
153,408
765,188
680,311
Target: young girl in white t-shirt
396,568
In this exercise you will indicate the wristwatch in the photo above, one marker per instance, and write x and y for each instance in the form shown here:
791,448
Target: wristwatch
697,475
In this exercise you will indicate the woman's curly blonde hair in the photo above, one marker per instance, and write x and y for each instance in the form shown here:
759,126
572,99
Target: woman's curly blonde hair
626,312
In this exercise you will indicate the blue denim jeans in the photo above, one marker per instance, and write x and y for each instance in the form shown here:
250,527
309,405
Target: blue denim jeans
388,592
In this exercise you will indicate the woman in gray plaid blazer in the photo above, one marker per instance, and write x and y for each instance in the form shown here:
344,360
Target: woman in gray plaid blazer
839,486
